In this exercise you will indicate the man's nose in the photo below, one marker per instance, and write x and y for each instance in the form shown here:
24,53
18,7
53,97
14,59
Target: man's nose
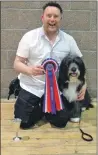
52,18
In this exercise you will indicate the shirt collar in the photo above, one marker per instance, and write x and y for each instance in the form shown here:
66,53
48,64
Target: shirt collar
42,33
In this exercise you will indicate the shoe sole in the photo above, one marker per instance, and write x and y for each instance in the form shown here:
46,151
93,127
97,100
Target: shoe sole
75,120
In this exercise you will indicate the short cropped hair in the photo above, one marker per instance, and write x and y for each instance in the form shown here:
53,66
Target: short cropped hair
53,3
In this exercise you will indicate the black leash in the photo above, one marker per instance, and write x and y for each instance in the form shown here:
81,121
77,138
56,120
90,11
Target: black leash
85,136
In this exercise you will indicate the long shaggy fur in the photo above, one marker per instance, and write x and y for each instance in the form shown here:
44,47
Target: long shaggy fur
72,78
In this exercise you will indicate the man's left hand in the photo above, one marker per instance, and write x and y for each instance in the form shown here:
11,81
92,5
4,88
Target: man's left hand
81,94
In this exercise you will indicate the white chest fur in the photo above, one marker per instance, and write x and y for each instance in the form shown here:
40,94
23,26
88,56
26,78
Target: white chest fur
70,93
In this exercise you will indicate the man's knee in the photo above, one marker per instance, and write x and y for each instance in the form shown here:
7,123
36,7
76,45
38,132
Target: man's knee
59,120
28,109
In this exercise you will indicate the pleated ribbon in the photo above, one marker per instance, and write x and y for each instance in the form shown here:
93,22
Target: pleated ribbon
52,99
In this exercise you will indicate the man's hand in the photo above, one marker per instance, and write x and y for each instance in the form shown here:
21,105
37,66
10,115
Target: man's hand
37,70
20,65
81,93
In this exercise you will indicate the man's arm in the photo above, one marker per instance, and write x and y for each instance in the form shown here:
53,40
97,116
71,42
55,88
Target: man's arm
81,94
20,65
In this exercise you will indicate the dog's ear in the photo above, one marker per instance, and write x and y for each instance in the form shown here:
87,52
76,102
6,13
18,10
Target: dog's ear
60,84
63,70
63,75
82,68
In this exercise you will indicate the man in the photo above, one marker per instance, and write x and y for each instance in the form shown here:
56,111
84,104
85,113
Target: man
35,46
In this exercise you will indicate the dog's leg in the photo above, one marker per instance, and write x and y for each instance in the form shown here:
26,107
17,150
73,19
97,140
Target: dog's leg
87,101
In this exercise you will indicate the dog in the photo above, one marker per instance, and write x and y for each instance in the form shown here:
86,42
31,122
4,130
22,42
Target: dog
71,80
14,88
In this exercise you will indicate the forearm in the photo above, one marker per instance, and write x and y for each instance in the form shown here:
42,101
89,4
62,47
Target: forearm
21,67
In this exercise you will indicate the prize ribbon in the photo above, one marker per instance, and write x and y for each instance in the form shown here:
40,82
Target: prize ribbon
52,99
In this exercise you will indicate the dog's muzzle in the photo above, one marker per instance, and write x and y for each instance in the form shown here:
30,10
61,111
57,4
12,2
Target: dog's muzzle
74,70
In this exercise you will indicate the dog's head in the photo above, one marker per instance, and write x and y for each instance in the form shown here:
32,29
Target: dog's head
71,67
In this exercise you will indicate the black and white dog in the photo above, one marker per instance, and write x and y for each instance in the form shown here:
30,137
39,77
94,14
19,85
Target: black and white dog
72,78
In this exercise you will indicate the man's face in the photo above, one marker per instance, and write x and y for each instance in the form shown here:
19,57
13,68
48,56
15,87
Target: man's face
51,19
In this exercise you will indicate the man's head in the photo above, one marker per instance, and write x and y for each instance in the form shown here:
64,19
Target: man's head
52,14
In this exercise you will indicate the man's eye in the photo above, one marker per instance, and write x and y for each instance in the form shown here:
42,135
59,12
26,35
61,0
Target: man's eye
55,16
49,16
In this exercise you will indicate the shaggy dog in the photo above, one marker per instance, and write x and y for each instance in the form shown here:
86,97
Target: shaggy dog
71,79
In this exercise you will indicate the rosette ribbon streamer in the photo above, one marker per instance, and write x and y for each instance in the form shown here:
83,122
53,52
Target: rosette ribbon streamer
52,99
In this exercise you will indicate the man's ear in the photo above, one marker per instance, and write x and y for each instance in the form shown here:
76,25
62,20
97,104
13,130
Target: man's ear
42,17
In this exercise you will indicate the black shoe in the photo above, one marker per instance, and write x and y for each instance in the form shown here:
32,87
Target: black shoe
26,126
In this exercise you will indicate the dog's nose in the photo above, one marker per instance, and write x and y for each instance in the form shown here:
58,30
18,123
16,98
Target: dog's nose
73,69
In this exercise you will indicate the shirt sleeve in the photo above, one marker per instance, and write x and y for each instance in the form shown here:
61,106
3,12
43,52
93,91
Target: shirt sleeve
23,47
74,48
